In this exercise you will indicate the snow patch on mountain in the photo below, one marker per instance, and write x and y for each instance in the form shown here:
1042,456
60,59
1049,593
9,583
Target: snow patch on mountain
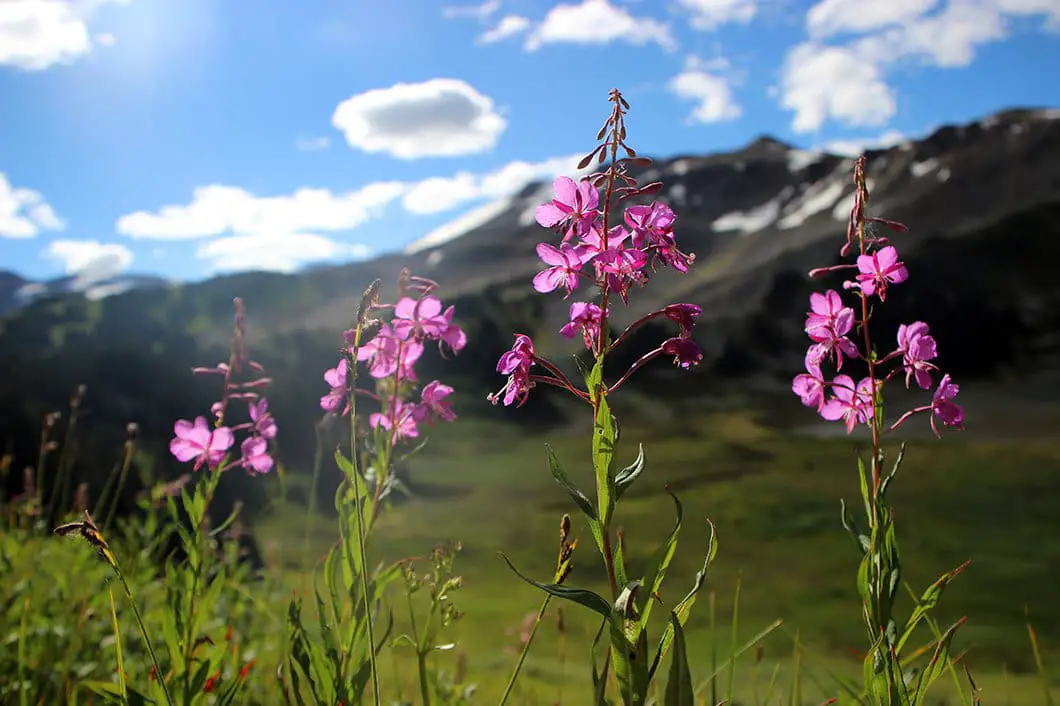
919,169
821,196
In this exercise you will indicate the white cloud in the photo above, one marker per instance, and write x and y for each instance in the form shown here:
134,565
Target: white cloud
312,144
598,22
282,233
446,193
90,261
855,146
821,83
847,82
37,34
219,209
710,14
275,252
509,26
441,193
24,212
477,12
440,117
710,90
830,17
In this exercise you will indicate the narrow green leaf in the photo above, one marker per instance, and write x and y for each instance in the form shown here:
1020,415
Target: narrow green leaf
886,482
117,647
581,596
625,477
927,601
938,663
761,635
561,477
600,676
679,685
603,445
684,608
861,540
659,563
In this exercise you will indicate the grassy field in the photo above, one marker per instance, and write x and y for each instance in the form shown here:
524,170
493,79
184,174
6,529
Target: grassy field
774,497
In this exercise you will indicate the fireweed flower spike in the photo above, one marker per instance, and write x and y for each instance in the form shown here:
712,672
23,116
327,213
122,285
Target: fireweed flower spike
615,258
390,351
197,441
879,266
387,339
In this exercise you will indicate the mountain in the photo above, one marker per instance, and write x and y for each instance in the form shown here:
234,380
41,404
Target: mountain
16,292
981,200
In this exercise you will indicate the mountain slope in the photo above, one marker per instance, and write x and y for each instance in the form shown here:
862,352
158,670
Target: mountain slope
982,202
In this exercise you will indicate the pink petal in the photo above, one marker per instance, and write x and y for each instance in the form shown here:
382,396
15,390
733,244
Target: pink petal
551,255
404,308
548,215
886,257
548,280
429,307
566,190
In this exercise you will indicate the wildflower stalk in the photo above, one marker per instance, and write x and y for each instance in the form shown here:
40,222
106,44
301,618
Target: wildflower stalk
361,539
828,324
86,528
622,256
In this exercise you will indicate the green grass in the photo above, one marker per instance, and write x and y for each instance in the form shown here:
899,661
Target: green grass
775,500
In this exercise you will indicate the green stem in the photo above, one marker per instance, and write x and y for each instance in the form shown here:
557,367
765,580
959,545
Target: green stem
525,651
143,633
361,539
421,664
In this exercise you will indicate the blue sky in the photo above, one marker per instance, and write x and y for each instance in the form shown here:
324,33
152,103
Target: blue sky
187,138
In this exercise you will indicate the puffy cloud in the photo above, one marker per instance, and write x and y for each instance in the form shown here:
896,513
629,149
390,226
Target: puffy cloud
830,17
822,83
218,209
24,212
709,88
38,34
509,26
275,252
440,194
440,117
270,232
847,82
711,14
598,22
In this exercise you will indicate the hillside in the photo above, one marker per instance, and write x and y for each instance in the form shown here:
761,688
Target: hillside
982,202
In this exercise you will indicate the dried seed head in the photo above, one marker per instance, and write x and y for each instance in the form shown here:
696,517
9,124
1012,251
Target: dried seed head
370,298
564,528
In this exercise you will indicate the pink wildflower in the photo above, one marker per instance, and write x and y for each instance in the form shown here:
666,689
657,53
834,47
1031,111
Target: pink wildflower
879,269
199,442
573,208
852,405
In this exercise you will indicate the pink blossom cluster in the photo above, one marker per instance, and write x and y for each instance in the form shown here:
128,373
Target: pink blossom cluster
207,444
612,261
392,353
829,324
